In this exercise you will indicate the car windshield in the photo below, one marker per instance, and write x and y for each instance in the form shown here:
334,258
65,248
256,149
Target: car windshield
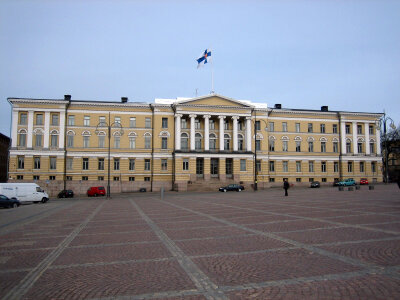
101,188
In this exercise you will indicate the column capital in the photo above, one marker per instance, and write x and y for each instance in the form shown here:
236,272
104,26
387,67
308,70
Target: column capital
178,115
206,116
221,117
235,117
192,116
248,118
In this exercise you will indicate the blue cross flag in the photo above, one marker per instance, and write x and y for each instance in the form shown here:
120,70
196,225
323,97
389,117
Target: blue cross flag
203,59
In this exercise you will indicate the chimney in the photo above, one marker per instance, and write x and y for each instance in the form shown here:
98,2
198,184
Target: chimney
124,99
324,108
67,97
278,106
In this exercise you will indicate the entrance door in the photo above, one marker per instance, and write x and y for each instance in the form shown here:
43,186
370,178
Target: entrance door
229,167
214,167
200,167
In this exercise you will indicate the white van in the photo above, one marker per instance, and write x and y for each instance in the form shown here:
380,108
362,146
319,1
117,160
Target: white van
24,192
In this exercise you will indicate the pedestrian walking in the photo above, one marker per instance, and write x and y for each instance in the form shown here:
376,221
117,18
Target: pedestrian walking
285,186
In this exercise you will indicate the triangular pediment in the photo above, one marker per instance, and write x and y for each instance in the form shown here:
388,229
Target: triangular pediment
214,100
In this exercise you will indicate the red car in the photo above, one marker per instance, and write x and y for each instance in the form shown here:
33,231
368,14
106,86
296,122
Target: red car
96,191
363,181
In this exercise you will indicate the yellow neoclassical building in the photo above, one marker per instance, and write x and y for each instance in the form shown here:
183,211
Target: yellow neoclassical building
187,144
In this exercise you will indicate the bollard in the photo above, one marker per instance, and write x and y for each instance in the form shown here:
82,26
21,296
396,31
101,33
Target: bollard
357,187
350,188
162,193
340,188
371,187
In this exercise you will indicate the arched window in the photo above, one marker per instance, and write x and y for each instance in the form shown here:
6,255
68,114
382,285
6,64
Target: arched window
132,140
86,139
372,146
213,141
348,145
70,138
147,140
54,138
198,138
38,137
22,138
117,140
240,142
227,141
271,143
184,141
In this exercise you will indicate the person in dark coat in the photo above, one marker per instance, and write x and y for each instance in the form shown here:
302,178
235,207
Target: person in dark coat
286,186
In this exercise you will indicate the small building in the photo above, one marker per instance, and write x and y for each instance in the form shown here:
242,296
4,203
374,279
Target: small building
4,147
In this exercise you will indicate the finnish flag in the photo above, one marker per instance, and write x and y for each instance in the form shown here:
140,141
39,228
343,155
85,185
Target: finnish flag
206,57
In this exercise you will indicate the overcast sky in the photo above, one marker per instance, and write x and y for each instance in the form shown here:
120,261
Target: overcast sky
302,54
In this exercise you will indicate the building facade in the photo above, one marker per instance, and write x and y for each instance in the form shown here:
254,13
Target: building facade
188,144
4,147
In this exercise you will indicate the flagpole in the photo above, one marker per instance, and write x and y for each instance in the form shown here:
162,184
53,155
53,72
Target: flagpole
212,72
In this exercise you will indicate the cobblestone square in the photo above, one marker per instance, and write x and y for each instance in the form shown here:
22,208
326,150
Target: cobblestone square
313,244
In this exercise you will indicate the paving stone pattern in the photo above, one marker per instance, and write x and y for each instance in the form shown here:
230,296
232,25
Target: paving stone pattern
313,244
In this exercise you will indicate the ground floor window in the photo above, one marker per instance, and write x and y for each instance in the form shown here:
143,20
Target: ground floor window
20,177
242,165
52,177
131,178
323,179
298,179
116,178
147,179
36,177
85,178
311,179
272,180
69,178
100,178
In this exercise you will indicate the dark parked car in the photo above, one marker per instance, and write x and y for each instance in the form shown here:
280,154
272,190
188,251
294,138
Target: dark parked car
315,184
232,187
8,203
96,191
336,183
66,194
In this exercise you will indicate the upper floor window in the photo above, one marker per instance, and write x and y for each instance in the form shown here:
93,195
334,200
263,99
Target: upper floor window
117,141
360,147
271,126
371,129
285,166
102,121
184,141
85,163
116,164
100,164
147,122
86,121
258,125
86,141
21,162
164,123
297,127
23,118
298,146
147,164
348,146
54,140
36,162
102,139
39,119
132,122
242,165
117,120
226,125
227,141
147,141
272,166
272,145
285,146
310,146
359,129
349,166
54,119
71,120
131,164
284,126
310,127
323,166
197,141
197,124
347,129
258,145
164,143
212,124
185,164
371,148
334,128
22,138
183,123
323,146
70,139
335,147
213,141
322,126
38,139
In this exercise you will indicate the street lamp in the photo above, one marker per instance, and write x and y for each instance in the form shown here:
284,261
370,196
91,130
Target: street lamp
255,150
382,123
119,131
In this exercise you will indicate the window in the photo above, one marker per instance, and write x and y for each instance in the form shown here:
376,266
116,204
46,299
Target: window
285,146
359,129
240,142
116,164
21,162
52,177
100,178
147,123
272,166
362,168
147,164
242,165
102,121
335,147
271,126
69,178
85,178
373,167
323,166
348,146
102,140
310,166
310,127
36,177
117,141
20,177
258,145
23,119
132,142
197,141
38,139
285,166
371,148
184,141
147,179
71,120
36,162
85,163
53,163
349,166
272,180
360,147
117,120
116,178
322,127
164,164
213,141
347,129
70,161
86,121
335,166
226,125
311,179
298,146
323,146
197,124
271,145
185,165
284,126
164,143
132,122
323,179
240,125
371,129
298,179
310,146
54,120
70,139
164,123
257,125
212,124
334,128
54,140
39,119
86,141
297,127
147,141
100,163
22,139
131,178
131,164
298,166
258,165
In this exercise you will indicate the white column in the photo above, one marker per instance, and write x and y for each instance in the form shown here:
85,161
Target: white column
62,130
46,129
30,129
343,135
178,131
192,132
378,141
248,133
355,141
366,128
235,132
14,129
221,132
206,132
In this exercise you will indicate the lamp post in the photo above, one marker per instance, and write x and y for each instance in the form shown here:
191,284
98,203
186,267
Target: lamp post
120,132
382,123
255,150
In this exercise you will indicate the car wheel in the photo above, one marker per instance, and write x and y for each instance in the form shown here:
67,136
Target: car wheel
239,190
15,205
44,200
224,190
95,195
